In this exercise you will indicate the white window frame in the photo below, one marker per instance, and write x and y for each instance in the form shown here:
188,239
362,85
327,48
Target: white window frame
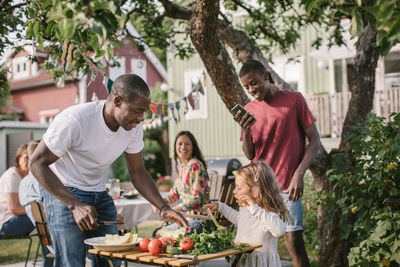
280,66
115,72
142,71
190,77
21,74
48,115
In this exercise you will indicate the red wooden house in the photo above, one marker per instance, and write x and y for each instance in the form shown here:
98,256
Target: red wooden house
36,95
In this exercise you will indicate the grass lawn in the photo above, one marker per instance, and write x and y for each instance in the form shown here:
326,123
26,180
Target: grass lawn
12,251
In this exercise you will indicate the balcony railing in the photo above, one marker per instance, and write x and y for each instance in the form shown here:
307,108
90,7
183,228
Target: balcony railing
330,110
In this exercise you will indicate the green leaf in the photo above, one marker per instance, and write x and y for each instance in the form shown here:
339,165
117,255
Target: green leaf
356,24
394,32
385,47
69,28
40,41
31,12
36,27
310,5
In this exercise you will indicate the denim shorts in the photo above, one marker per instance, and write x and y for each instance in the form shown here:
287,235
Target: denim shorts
296,212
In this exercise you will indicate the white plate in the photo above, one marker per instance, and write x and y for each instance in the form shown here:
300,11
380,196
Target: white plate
98,243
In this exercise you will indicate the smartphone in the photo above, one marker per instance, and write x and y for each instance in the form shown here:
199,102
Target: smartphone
243,111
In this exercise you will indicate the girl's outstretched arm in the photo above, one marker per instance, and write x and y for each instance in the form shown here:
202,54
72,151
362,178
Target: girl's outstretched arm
229,213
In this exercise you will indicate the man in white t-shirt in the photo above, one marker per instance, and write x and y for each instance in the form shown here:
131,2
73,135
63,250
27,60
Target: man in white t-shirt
72,158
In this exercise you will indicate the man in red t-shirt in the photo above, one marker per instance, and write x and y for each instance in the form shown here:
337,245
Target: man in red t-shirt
277,136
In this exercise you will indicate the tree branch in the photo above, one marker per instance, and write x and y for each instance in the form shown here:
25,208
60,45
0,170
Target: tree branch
176,11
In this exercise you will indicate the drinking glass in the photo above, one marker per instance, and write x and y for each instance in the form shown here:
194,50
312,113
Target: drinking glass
115,188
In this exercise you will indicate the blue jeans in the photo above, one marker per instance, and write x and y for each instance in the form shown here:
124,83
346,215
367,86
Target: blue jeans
17,225
296,212
46,262
68,239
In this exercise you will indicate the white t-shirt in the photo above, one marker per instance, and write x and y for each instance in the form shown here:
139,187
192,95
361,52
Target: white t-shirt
9,184
86,147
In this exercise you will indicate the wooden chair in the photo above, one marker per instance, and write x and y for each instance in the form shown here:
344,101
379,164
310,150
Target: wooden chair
29,236
42,229
221,189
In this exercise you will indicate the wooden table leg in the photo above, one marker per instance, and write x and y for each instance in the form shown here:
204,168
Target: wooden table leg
237,259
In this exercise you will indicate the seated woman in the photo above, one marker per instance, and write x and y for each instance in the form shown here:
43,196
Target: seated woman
191,185
13,218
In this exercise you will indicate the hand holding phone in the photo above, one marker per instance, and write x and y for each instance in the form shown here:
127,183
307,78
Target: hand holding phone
243,111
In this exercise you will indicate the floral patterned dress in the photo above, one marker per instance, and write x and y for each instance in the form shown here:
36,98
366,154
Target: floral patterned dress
191,186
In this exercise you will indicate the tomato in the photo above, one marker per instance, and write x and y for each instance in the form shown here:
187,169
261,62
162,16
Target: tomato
167,241
186,244
144,244
155,247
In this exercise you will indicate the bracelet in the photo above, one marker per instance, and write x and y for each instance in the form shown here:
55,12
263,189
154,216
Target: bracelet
164,206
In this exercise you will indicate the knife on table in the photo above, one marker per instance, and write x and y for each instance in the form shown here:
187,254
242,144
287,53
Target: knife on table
110,222
186,256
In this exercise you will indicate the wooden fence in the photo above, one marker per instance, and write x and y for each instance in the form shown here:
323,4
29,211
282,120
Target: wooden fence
330,110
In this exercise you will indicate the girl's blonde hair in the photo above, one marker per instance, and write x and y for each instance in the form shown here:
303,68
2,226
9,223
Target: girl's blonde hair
261,179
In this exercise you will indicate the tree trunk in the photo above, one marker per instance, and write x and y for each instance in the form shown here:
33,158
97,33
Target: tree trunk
203,33
363,89
333,250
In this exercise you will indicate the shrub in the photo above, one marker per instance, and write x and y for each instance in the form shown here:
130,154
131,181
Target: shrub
369,200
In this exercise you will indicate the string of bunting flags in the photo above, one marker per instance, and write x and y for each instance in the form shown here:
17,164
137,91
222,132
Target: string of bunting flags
157,109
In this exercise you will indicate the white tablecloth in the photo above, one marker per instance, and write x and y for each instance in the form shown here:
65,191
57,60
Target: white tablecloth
135,211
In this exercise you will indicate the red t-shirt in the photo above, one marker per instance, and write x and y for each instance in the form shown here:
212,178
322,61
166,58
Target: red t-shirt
278,133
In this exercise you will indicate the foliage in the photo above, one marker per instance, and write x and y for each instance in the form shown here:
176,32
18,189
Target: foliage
5,89
119,169
97,26
369,202
382,15
310,205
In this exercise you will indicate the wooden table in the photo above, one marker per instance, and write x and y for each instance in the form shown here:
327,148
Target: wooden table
164,260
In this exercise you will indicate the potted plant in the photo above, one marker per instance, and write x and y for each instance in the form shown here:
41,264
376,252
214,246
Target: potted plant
164,183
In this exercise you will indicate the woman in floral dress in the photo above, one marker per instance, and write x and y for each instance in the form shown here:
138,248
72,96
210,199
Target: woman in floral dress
191,185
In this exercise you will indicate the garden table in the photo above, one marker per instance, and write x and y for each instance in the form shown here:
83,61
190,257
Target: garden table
135,255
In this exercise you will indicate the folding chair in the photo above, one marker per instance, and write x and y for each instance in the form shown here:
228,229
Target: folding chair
29,236
42,229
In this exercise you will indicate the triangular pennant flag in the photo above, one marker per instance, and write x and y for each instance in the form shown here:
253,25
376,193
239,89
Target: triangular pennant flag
161,111
178,106
107,83
186,110
154,111
199,87
172,107
93,72
204,79
191,100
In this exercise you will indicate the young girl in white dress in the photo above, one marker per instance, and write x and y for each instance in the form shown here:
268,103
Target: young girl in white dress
262,215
